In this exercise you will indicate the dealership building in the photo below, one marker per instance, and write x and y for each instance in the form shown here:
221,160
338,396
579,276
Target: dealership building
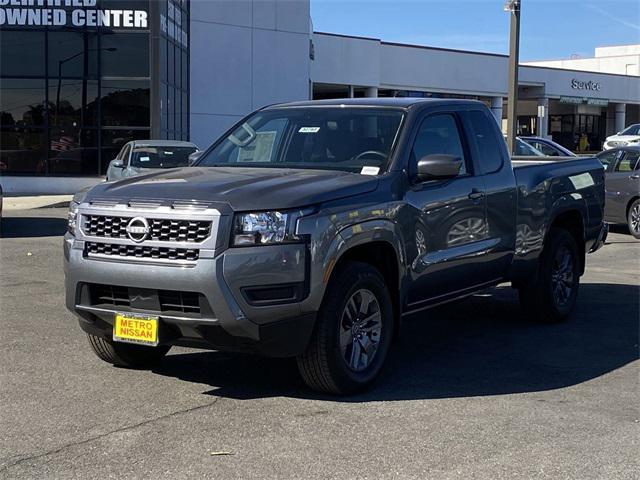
79,78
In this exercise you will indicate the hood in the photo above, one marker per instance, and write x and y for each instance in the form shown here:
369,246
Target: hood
241,188
623,137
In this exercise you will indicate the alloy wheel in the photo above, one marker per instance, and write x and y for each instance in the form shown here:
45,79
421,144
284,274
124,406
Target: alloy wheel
562,276
360,329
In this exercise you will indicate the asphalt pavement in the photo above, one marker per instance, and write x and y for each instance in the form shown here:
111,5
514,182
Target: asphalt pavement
471,390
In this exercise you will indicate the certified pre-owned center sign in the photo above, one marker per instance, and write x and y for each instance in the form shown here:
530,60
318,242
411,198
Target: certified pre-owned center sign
67,13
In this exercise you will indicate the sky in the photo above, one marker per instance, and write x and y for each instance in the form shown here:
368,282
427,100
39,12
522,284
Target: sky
550,29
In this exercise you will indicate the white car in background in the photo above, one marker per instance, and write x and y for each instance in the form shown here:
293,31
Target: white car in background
629,136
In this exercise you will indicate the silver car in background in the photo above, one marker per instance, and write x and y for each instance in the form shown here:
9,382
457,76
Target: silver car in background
622,187
144,156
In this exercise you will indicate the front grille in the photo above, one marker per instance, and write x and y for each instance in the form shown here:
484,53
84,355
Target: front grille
141,252
192,304
161,230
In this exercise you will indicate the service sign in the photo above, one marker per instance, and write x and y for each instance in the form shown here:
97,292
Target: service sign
67,13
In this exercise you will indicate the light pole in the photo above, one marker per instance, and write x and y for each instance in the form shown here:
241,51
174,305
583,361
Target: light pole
84,73
513,7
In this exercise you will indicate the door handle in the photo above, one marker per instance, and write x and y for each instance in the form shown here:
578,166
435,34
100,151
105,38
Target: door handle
476,195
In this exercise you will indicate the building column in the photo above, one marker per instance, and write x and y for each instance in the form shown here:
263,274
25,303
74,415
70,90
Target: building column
496,109
543,117
620,116
371,92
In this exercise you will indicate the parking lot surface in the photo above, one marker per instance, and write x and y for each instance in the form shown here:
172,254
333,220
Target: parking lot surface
471,390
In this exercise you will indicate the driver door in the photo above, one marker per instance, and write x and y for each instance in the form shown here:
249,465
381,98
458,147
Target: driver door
450,229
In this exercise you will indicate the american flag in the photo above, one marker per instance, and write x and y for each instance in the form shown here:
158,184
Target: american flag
63,144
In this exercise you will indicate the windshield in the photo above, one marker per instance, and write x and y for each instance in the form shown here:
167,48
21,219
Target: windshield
632,130
334,138
526,150
161,157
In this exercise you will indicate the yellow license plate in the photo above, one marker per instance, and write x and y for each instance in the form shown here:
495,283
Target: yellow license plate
132,328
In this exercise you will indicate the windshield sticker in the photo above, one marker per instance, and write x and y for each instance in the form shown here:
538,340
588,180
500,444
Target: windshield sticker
369,170
144,159
260,149
309,130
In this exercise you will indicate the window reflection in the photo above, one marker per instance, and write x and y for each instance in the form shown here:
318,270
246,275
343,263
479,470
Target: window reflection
73,151
125,103
114,139
22,53
130,57
67,99
22,150
73,54
22,102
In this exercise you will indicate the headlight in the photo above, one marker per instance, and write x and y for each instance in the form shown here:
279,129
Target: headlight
264,228
635,140
72,217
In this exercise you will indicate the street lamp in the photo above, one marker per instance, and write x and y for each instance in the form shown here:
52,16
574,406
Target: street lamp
513,7
84,73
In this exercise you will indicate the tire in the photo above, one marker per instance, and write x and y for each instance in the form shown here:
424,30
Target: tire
335,361
127,355
552,297
633,218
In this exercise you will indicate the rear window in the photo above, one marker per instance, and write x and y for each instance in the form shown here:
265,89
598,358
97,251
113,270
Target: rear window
490,156
161,157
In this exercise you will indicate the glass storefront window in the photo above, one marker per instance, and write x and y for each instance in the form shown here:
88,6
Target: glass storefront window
22,150
73,102
73,151
73,54
130,57
22,53
125,103
22,102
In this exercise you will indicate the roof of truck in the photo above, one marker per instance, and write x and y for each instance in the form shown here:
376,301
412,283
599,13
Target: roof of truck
401,102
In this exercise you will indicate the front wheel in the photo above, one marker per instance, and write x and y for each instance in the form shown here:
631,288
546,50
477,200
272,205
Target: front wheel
352,334
552,297
633,218
126,354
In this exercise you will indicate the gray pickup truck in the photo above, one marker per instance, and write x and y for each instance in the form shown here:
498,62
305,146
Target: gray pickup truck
311,229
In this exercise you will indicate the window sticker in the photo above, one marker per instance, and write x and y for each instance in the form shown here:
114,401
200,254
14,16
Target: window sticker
259,150
309,130
144,159
369,170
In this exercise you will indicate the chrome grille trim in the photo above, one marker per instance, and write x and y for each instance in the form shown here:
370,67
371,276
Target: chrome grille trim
141,252
162,229
171,230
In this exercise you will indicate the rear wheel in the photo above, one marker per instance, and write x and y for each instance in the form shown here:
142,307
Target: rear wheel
352,334
125,354
633,218
552,297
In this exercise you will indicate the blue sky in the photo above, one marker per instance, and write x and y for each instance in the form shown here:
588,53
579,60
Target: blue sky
550,29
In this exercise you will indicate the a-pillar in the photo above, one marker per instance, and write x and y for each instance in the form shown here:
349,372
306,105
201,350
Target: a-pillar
371,92
620,116
496,109
543,117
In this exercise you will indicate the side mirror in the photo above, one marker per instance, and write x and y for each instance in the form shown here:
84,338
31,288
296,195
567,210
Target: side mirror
117,163
438,167
194,156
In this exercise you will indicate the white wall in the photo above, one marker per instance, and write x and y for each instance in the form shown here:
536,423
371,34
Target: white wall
245,54
620,59
369,62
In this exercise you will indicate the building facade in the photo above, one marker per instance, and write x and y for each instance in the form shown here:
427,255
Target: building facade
80,78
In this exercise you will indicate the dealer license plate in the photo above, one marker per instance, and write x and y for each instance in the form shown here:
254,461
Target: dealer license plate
133,328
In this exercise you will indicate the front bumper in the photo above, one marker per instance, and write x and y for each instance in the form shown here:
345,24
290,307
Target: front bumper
235,319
